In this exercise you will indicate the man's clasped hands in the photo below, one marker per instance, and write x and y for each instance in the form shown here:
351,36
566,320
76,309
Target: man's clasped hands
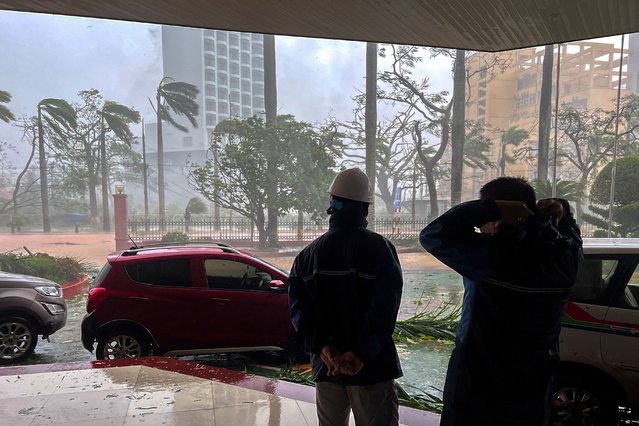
347,363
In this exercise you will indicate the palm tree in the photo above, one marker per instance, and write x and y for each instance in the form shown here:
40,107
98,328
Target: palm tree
59,116
514,136
5,114
116,118
179,98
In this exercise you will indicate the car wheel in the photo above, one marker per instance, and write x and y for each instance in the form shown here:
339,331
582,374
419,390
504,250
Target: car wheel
18,339
122,344
584,400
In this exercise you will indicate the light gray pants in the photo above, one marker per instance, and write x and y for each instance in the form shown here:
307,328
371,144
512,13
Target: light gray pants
372,405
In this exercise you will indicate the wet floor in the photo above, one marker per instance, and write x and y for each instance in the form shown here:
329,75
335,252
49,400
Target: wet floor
424,363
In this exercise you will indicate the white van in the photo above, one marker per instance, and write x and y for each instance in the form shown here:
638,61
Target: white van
599,341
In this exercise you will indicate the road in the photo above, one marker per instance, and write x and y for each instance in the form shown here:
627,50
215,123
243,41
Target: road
65,345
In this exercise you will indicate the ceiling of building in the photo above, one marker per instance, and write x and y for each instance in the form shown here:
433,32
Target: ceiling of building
488,25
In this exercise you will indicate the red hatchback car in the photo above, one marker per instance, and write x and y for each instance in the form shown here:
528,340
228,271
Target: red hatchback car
186,299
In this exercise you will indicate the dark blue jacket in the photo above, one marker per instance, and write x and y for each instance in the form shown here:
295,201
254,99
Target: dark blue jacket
516,285
344,290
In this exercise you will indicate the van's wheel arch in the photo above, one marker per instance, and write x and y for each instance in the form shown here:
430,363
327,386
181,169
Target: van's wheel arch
122,342
585,396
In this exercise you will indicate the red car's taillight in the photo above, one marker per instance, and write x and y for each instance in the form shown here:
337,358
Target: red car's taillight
96,296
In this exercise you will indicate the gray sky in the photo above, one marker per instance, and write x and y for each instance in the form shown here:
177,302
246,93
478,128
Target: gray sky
54,56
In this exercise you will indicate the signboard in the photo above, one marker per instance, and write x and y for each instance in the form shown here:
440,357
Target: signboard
398,199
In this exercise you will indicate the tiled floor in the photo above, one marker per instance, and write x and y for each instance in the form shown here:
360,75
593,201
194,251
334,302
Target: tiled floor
156,391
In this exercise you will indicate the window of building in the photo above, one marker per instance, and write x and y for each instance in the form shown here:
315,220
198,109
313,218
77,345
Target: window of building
257,49
246,99
258,103
245,45
211,120
220,49
257,37
223,107
234,54
258,75
246,72
234,68
246,86
221,35
162,273
209,61
223,78
209,45
222,64
235,83
234,39
258,88
246,58
235,97
222,93
210,105
210,89
209,75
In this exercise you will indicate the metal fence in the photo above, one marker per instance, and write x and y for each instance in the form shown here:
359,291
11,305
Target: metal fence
244,230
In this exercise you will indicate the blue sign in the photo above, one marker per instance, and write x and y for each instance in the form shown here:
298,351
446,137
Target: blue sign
398,199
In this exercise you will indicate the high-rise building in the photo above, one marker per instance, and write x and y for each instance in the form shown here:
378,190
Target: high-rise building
228,69
509,96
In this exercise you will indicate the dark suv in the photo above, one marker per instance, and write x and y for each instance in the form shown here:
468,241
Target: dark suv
186,299
29,306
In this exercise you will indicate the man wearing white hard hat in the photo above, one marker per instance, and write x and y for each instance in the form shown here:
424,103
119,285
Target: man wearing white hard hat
344,294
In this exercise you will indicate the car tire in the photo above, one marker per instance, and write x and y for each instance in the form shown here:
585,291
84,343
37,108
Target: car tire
119,344
18,339
584,399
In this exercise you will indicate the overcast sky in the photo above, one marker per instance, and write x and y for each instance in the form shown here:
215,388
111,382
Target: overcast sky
46,56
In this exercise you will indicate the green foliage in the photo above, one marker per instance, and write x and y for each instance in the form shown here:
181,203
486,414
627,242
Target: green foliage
418,398
569,190
5,114
196,206
625,207
260,167
57,269
177,98
175,237
440,324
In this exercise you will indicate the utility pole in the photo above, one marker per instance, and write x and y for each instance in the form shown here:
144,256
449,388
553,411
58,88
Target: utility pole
145,177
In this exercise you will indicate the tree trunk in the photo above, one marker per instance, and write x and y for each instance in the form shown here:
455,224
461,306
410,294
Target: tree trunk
261,230
93,199
370,124
14,196
161,207
44,194
432,194
545,113
300,225
106,219
457,133
270,104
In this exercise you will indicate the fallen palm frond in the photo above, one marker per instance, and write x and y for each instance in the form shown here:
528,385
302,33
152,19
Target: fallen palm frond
439,324
419,399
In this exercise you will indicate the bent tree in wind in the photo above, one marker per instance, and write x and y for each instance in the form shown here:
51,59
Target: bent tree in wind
58,116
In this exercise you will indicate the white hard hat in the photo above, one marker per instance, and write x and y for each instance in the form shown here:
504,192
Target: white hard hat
352,184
